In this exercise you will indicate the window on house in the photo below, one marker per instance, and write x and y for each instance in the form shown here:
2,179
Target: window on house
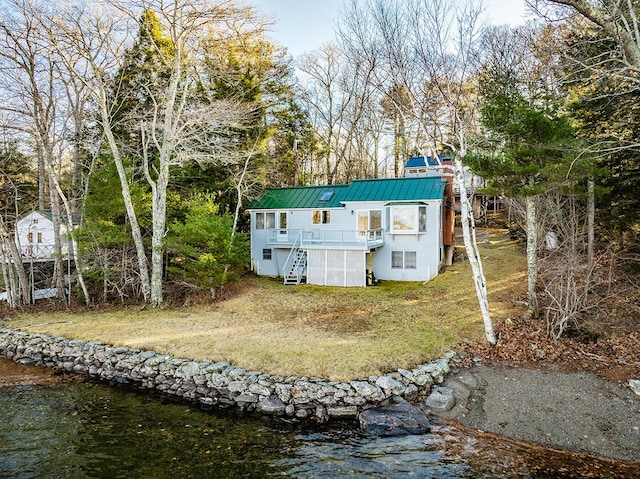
321,217
408,219
39,237
30,237
410,260
404,260
403,218
422,219
266,254
270,220
266,221
375,219
326,196
397,260
369,220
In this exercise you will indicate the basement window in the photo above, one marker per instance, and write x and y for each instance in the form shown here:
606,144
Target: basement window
404,260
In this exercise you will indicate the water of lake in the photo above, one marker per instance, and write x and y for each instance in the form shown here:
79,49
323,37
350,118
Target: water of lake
88,430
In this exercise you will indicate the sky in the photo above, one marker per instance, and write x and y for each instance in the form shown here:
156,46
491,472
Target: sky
304,25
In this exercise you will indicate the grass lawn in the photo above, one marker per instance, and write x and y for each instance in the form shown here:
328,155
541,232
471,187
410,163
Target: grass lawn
333,333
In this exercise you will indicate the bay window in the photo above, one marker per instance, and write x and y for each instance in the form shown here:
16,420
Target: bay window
407,219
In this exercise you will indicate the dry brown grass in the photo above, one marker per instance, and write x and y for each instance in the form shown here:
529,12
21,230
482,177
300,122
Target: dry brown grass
335,333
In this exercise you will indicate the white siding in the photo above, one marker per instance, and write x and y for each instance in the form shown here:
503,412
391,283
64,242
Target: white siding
34,236
347,267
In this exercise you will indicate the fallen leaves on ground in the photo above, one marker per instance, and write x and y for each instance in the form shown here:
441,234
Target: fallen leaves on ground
615,358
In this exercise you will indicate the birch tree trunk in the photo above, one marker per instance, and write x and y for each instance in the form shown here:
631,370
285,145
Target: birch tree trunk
89,38
58,266
9,282
159,218
171,129
591,214
70,226
12,267
163,132
136,233
468,235
532,251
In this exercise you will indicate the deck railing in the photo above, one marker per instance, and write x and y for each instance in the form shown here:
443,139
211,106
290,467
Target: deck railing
37,251
44,251
327,238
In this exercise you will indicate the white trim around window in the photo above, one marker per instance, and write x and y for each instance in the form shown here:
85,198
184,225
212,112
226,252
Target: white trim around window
407,219
265,220
404,260
321,217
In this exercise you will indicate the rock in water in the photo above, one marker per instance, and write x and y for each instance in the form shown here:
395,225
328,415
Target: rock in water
397,419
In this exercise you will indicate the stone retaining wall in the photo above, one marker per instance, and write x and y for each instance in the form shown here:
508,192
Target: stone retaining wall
220,383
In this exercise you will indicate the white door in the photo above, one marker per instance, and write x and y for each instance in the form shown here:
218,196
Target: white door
283,235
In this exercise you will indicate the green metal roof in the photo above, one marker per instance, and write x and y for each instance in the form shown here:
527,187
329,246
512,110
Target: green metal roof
394,189
299,197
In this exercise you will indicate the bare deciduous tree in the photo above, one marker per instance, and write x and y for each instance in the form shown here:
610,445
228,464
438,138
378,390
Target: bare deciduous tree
428,49
175,129
337,94
38,99
619,20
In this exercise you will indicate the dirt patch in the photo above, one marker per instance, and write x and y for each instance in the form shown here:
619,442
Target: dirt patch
614,358
13,374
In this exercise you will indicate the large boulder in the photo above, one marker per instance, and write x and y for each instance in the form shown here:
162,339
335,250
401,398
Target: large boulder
441,399
396,419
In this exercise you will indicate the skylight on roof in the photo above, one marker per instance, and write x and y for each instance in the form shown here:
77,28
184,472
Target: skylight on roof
326,196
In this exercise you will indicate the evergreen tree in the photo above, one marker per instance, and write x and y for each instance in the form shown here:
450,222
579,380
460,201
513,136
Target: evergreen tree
203,251
293,143
529,139
144,73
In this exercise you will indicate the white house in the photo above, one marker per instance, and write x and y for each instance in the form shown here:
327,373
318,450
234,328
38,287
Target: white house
35,237
349,235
